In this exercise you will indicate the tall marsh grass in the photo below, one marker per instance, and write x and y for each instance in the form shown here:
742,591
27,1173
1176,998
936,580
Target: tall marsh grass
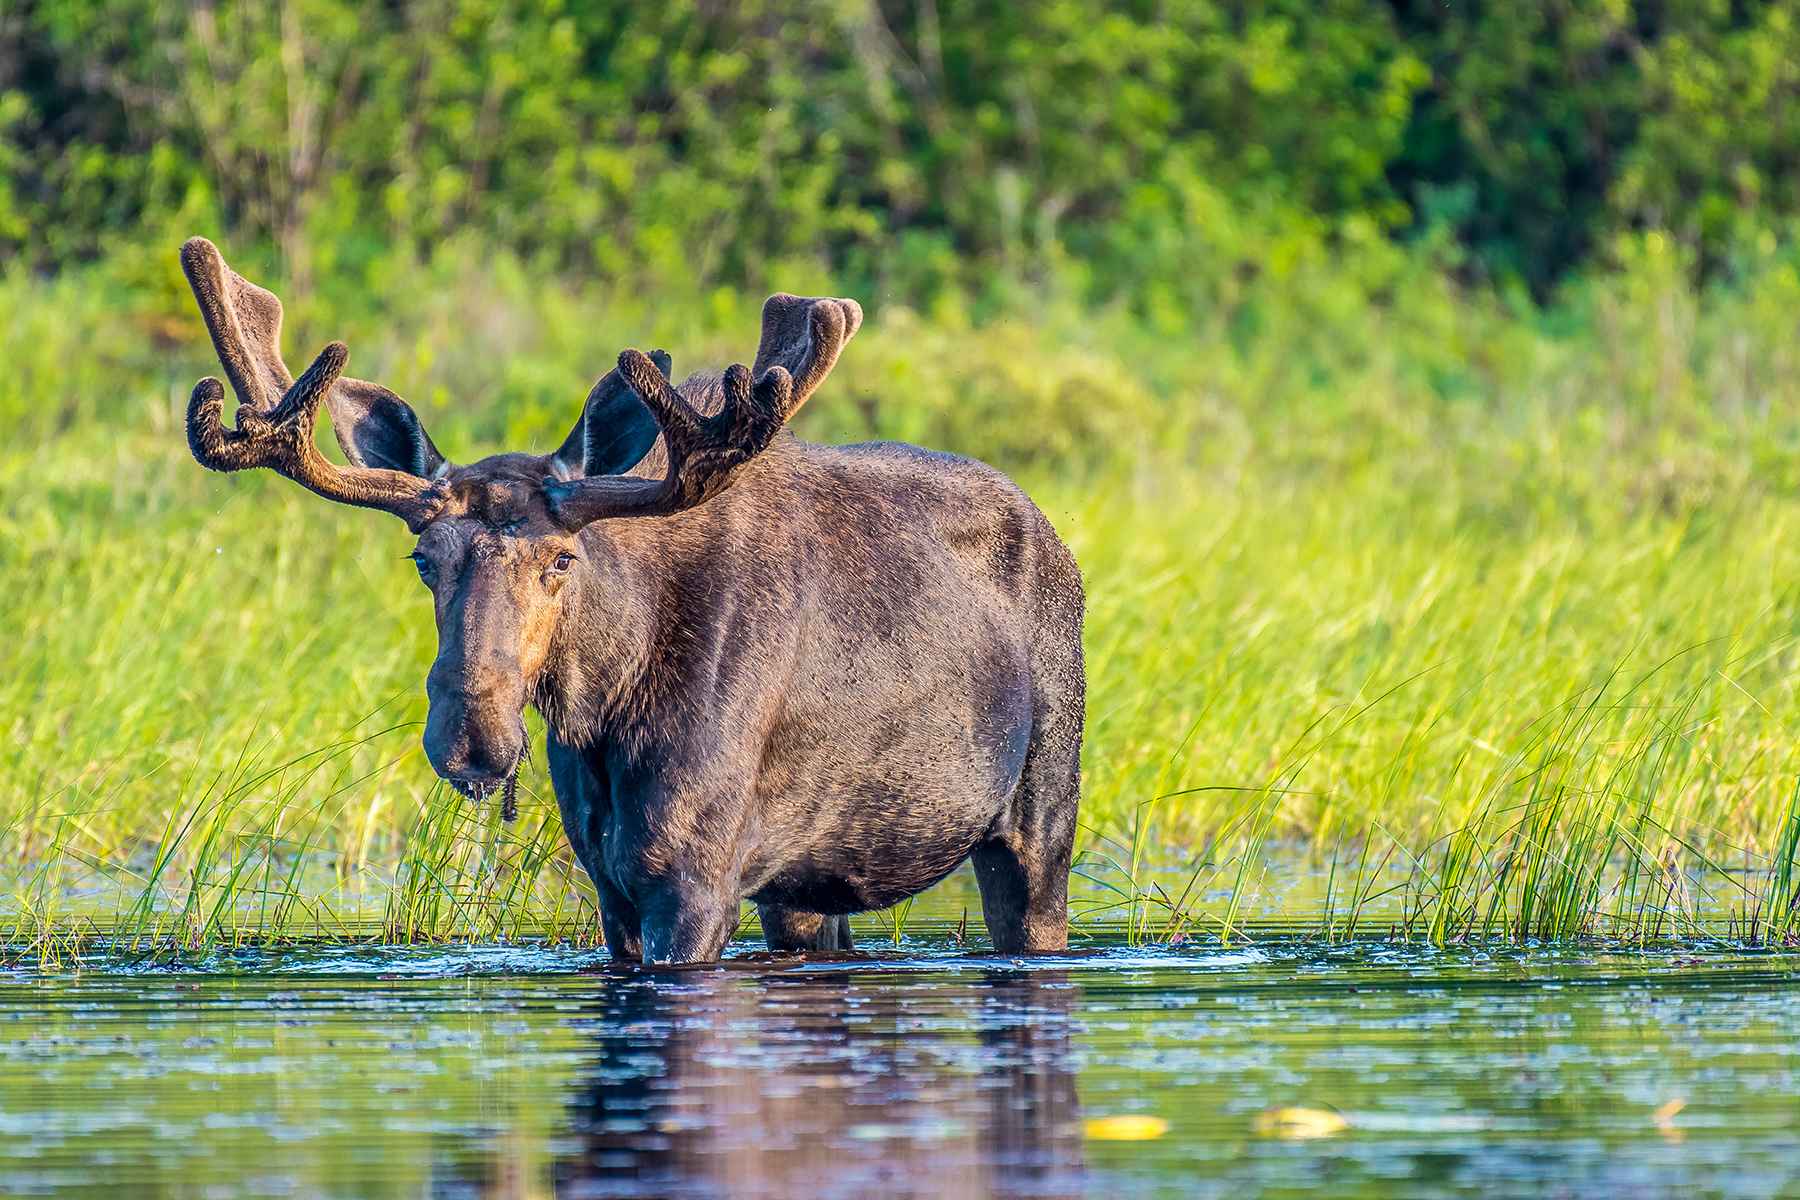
1482,621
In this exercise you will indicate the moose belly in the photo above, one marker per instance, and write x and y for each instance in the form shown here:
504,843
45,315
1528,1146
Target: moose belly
843,880
879,814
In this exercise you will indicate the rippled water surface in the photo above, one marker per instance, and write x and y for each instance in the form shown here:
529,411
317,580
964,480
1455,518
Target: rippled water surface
522,1072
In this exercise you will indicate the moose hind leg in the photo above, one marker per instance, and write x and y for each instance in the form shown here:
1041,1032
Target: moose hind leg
1023,867
793,929
1024,895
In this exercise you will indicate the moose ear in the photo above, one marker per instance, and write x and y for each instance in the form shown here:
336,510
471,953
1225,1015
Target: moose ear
615,431
376,428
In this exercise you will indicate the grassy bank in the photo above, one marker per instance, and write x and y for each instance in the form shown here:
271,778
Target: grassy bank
1491,613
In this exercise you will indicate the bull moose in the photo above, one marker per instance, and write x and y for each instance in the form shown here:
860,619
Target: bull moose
818,677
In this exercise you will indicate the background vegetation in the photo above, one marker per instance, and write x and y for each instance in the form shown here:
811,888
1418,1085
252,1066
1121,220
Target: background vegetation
1416,382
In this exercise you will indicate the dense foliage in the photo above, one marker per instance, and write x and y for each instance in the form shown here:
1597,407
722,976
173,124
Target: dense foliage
917,149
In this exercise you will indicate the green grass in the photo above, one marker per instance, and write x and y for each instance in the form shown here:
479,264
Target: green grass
1486,622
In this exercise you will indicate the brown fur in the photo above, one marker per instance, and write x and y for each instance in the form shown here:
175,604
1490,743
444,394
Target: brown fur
818,677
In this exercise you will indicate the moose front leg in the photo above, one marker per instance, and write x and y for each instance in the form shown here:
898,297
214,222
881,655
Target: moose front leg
620,923
687,922
583,799
675,844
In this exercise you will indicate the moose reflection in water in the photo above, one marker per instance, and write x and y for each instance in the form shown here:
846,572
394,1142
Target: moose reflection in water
814,1085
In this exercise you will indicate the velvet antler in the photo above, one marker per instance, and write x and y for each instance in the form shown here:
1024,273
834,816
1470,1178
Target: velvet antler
276,414
801,340
805,335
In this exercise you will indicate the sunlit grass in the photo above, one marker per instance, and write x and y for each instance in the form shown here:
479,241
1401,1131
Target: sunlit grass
1518,666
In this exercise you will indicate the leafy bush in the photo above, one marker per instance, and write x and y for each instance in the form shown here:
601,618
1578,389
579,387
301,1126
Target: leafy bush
918,151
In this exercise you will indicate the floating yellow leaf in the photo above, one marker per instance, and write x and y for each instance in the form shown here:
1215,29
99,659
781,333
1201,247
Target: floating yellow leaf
1125,1128
1664,1117
1299,1123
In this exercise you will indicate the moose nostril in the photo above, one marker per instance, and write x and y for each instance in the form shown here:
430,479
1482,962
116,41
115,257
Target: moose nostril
447,756
470,754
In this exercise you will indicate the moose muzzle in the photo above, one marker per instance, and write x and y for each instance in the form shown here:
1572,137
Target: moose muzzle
475,731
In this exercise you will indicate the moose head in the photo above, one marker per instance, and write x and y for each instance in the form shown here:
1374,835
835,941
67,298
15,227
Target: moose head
506,545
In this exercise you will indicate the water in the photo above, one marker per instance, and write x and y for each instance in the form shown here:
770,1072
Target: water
524,1072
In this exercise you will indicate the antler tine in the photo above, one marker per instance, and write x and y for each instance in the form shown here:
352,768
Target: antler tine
263,437
281,439
702,451
805,335
244,321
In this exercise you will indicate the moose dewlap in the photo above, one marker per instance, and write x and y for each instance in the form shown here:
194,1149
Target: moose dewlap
820,677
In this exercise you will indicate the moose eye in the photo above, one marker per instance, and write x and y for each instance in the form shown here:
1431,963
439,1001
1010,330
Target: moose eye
563,562
423,564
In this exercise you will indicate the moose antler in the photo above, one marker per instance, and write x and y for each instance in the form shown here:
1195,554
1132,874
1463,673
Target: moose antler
805,336
702,451
801,340
276,414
